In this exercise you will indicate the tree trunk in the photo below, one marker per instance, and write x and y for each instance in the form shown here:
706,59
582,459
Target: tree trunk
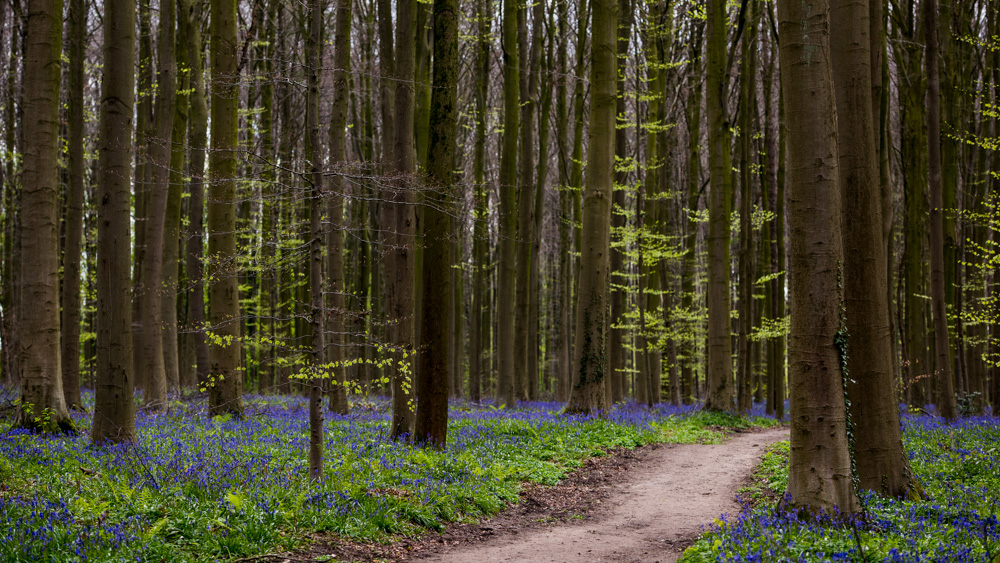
506,361
588,393
226,381
335,205
432,385
748,101
114,407
820,464
70,345
314,179
946,396
197,140
43,405
400,289
477,343
881,463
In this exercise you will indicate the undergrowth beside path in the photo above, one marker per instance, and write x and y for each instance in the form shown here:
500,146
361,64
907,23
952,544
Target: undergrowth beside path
203,489
955,463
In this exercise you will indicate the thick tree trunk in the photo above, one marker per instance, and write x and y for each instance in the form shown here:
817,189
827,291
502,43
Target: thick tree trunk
525,204
226,381
314,179
720,347
820,464
114,407
70,335
881,463
43,405
588,393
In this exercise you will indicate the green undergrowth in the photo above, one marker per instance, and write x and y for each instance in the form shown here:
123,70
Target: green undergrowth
955,464
708,427
198,488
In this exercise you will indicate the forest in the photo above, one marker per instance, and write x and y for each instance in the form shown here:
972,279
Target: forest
342,280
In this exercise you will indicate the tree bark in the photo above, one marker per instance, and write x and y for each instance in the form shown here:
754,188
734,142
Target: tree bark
946,396
820,465
881,463
225,378
70,345
114,408
588,393
432,385
43,405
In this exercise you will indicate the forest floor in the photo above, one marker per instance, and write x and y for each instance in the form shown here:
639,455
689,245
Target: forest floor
642,505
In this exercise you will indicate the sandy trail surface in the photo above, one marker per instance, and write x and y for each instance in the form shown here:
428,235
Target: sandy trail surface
650,516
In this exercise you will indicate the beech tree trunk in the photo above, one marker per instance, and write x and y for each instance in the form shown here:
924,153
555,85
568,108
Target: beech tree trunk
719,373
43,404
114,407
432,385
820,464
588,393
881,463
225,378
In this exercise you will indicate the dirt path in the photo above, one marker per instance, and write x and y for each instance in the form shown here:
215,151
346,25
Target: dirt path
650,515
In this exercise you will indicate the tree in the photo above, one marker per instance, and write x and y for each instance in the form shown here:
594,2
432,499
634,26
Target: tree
400,285
942,366
225,379
70,321
820,465
432,385
151,295
588,393
314,179
43,405
114,410
880,460
720,349
335,205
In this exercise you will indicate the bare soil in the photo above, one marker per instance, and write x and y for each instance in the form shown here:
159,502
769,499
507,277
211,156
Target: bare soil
641,505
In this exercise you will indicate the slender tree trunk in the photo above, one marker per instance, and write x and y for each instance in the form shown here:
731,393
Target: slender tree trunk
226,381
588,393
114,407
38,330
820,464
689,270
197,140
400,288
335,206
506,360
480,229
172,227
70,348
748,86
314,180
720,348
946,396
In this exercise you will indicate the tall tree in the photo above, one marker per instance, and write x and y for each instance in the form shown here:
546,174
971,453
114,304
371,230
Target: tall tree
314,179
400,286
720,348
478,342
70,334
880,460
335,205
942,367
226,381
151,295
197,140
506,359
588,393
114,407
820,464
432,385
43,405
